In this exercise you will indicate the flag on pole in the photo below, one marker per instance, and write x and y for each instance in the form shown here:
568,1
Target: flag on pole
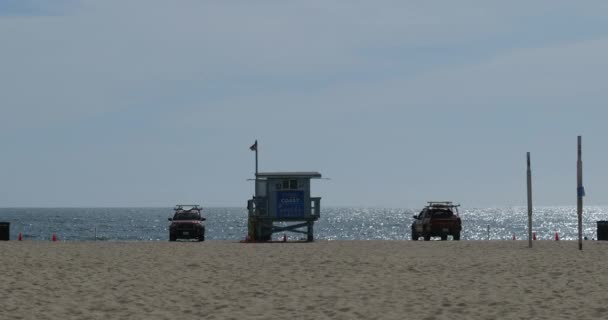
254,147
581,191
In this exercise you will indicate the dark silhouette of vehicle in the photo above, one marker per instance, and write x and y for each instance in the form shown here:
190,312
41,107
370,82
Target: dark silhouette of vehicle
437,219
187,223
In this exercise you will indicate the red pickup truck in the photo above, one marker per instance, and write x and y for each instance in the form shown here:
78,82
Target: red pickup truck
437,219
187,223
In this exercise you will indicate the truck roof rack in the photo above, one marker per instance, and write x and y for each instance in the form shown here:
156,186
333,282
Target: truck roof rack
448,204
188,207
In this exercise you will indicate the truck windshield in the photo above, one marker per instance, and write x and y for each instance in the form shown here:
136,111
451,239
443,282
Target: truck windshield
187,215
442,213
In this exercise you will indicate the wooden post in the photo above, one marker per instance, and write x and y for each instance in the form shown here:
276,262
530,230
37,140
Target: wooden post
258,232
529,203
310,234
580,193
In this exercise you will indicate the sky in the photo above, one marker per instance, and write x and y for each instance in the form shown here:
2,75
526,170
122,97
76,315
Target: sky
155,102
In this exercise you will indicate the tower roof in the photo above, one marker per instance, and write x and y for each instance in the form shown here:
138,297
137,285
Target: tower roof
294,174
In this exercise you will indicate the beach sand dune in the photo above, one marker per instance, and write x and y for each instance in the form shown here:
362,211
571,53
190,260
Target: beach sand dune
321,280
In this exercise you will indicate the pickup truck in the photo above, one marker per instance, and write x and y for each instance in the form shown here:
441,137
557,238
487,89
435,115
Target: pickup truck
437,219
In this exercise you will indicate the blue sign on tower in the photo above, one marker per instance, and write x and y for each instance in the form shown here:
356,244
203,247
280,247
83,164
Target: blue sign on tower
290,204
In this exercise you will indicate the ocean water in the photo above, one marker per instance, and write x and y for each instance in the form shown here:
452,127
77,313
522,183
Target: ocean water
151,224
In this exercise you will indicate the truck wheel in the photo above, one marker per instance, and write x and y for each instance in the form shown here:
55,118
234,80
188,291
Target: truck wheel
414,236
172,237
457,236
201,238
427,237
444,237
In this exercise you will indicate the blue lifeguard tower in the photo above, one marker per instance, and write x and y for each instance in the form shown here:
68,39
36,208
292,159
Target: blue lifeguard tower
283,197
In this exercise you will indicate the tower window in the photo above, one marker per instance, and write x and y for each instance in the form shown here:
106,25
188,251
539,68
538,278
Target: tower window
293,184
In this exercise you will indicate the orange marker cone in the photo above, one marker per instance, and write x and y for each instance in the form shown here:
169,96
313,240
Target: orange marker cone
20,237
534,236
54,237
284,237
556,236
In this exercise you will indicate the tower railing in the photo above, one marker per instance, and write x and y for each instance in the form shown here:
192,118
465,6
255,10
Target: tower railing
315,206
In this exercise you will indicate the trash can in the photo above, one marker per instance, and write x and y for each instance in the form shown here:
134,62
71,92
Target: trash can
602,230
5,228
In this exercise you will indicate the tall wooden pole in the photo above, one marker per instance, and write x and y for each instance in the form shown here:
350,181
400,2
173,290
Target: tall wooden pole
529,203
580,194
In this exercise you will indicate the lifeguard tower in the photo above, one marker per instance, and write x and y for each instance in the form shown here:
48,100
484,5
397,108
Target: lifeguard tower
283,197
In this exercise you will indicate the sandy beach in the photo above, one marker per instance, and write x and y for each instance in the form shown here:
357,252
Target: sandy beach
321,280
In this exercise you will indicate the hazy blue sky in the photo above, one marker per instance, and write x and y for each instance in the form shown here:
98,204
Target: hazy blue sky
152,103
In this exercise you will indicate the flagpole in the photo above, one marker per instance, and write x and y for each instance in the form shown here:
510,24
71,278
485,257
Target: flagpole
580,193
256,159
252,221
529,203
